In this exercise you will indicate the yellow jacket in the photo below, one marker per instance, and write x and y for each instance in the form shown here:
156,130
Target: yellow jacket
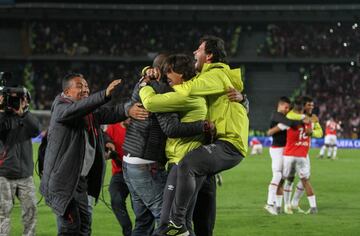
230,118
193,110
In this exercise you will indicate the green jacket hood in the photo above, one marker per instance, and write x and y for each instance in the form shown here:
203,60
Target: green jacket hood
233,74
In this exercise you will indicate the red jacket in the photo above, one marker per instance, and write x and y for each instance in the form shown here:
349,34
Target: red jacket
117,133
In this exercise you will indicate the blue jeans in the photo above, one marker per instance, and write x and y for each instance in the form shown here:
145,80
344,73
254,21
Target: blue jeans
118,194
146,184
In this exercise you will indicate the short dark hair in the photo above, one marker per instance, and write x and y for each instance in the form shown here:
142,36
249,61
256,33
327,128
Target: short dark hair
68,77
307,99
284,99
181,64
298,103
215,46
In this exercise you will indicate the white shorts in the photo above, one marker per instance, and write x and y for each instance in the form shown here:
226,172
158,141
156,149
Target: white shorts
330,139
299,165
257,149
276,159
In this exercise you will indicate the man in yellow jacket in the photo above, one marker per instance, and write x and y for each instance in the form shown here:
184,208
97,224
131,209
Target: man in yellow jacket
230,119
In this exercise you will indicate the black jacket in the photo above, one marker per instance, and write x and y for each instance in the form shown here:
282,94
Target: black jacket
65,151
16,160
279,138
146,139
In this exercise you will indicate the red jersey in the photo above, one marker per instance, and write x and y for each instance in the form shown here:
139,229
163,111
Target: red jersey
254,141
331,127
117,134
297,142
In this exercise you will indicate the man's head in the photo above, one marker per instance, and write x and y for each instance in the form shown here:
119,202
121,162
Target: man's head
179,68
159,60
308,103
333,117
158,64
211,50
298,104
75,86
283,105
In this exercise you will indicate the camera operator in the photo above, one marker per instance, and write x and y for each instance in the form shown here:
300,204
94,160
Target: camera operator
17,126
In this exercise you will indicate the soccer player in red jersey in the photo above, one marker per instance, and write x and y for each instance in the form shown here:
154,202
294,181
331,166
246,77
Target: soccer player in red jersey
296,154
330,139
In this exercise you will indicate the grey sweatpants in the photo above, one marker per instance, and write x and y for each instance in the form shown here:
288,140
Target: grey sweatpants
24,190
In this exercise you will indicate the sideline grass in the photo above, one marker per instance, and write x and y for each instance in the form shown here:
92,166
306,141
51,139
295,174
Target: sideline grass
241,199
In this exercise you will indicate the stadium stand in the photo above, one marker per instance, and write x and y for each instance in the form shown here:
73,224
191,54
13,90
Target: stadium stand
117,42
336,89
293,39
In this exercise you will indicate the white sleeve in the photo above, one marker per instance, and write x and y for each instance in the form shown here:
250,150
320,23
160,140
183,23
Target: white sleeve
282,126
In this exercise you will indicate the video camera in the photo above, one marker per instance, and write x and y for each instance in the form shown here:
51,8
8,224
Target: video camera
12,96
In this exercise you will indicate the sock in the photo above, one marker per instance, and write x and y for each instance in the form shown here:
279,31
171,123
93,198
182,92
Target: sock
279,199
334,152
299,192
322,150
312,201
287,192
273,186
271,194
329,152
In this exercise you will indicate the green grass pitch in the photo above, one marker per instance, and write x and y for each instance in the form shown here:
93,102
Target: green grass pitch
241,199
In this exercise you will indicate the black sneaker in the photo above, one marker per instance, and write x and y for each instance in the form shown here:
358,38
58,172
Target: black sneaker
312,211
174,230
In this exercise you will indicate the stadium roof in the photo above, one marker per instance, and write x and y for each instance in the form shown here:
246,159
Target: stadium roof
197,2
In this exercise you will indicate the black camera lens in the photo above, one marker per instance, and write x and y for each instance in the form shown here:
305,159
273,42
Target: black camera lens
13,102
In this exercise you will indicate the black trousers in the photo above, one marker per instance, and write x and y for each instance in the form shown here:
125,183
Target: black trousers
77,218
118,193
199,163
168,198
205,208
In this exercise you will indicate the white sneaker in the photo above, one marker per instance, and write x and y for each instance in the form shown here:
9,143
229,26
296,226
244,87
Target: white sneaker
297,209
271,209
288,210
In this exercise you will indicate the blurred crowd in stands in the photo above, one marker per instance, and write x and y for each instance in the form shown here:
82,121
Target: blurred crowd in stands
336,89
311,40
125,38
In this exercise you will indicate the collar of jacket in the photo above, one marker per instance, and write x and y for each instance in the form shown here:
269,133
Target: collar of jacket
233,74
66,98
209,66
